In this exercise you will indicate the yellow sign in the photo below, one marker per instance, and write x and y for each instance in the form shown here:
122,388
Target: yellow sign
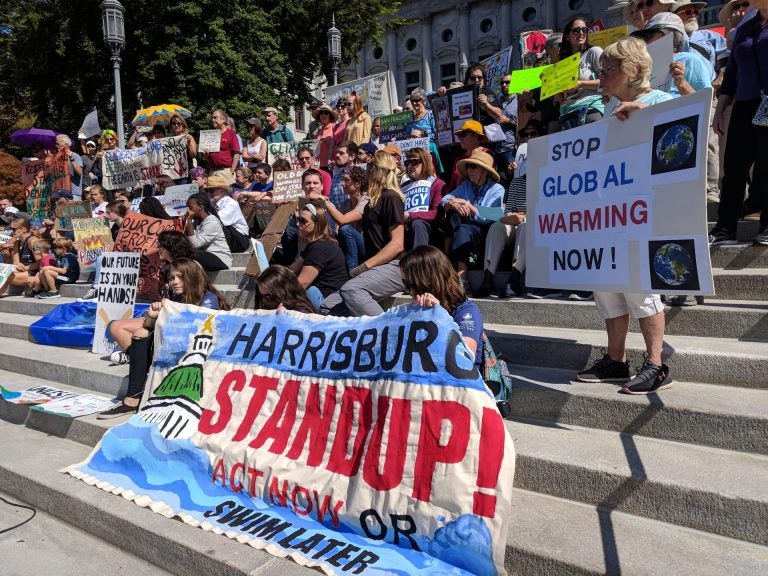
562,76
603,38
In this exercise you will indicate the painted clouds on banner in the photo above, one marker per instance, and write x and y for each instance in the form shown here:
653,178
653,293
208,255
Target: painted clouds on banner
620,206
127,168
354,444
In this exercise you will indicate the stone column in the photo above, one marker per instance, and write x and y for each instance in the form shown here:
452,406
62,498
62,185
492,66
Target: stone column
391,40
464,46
505,23
426,52
361,61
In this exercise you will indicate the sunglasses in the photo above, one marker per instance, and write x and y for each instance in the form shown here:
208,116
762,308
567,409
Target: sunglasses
694,11
474,167
412,162
582,30
505,81
475,77
175,123
529,134
340,106
647,3
738,6
416,100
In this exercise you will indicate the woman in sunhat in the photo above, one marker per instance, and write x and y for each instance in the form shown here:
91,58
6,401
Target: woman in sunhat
326,117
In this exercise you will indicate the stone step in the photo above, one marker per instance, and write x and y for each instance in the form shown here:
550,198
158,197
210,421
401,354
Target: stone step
724,361
547,535
682,484
746,230
742,255
15,325
705,414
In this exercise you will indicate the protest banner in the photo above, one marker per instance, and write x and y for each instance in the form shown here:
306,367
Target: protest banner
65,213
355,445
560,77
532,48
496,67
290,150
175,198
287,185
526,79
393,126
92,239
210,141
619,206
115,295
142,165
78,405
138,233
460,108
608,36
35,395
377,92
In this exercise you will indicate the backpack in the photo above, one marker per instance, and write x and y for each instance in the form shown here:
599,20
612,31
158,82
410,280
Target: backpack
497,378
237,241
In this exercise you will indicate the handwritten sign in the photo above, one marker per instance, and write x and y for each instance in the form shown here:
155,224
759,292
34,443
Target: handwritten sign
175,199
496,67
116,294
289,151
560,77
526,79
210,141
139,166
608,36
92,239
66,212
393,126
287,185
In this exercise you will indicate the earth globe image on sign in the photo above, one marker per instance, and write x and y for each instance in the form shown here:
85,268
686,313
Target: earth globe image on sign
675,146
673,264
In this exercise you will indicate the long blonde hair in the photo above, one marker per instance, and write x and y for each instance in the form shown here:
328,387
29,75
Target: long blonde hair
382,175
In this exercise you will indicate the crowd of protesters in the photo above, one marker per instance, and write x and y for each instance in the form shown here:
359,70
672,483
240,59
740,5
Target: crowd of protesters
366,204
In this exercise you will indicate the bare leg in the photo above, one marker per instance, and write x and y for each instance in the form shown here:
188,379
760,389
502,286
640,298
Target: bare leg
652,328
123,330
617,329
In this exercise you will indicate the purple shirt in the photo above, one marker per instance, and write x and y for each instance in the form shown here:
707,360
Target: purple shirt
743,78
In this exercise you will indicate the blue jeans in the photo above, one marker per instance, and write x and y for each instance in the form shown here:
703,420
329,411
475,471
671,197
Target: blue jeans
352,244
315,296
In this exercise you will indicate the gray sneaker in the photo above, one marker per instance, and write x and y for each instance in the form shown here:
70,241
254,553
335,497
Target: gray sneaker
762,237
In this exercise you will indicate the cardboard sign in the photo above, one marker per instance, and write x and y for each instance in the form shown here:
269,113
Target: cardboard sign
92,239
496,67
377,92
287,185
618,206
662,53
116,288
290,150
139,233
139,166
210,141
607,37
65,213
270,238
526,79
175,199
393,126
457,106
293,430
412,143
35,395
263,212
41,179
560,77
79,405
532,48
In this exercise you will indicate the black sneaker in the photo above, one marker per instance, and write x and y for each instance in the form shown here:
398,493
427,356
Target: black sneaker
649,379
539,293
682,300
517,282
116,411
722,237
605,370
487,287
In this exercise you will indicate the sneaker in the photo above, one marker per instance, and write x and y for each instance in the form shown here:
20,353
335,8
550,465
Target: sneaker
649,379
539,293
713,198
119,357
32,293
762,237
682,300
722,237
516,282
90,295
116,411
49,294
507,292
580,296
487,287
605,370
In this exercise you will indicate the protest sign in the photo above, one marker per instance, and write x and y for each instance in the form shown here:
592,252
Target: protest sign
5,272
619,206
288,431
65,213
417,194
596,26
90,126
35,395
78,405
393,126
41,178
521,160
210,141
377,92
287,185
560,77
606,37
532,48
442,115
662,52
175,199
495,68
458,105
115,295
138,233
263,211
290,150
526,79
142,165
412,143
92,239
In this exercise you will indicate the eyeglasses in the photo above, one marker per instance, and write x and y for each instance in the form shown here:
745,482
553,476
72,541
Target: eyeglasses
110,139
175,123
475,77
416,100
529,134
606,70
692,11
582,30
301,221
739,6
412,162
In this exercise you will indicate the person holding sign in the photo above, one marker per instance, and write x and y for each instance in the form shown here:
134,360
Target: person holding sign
227,158
423,192
584,105
179,128
205,232
462,208
625,74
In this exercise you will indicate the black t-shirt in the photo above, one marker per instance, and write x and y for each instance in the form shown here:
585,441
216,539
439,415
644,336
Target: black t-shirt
377,220
328,257
493,100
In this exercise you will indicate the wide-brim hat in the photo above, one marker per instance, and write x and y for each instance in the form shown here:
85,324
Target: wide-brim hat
216,181
689,4
725,12
479,158
325,108
393,149
472,126
661,22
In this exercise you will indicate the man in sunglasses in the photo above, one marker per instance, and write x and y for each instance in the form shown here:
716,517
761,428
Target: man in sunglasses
710,44
506,149
652,7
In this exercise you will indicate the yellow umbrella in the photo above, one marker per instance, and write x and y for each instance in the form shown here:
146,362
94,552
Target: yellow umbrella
160,114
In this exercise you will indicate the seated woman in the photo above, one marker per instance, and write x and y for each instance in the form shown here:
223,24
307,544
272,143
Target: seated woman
320,267
378,277
480,190
423,192
189,285
348,216
430,280
205,232
151,206
23,254
278,288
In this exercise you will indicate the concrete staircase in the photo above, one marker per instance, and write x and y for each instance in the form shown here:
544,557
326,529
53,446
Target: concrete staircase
675,483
